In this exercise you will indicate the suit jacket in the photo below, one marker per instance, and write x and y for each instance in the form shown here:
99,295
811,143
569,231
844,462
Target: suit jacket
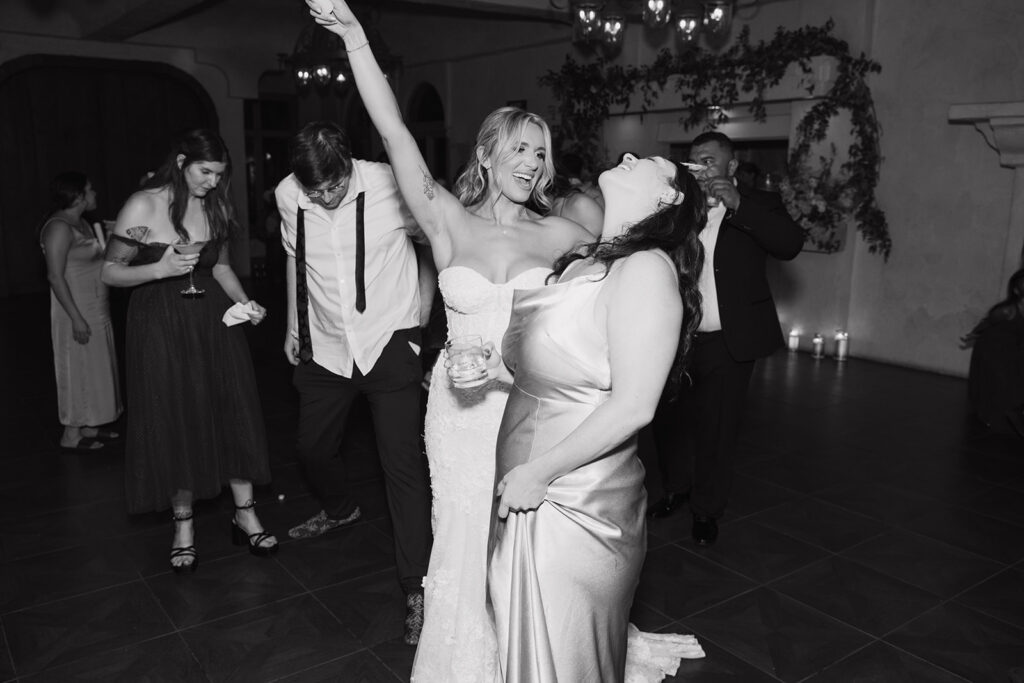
759,228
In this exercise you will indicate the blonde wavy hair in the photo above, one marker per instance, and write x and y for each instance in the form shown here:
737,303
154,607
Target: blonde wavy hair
499,137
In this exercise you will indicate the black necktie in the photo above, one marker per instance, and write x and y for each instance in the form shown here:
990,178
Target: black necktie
301,290
360,255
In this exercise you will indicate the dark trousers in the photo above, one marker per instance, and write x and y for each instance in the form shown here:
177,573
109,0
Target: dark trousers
696,433
392,389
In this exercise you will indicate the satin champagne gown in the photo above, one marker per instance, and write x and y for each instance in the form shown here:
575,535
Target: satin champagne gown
562,577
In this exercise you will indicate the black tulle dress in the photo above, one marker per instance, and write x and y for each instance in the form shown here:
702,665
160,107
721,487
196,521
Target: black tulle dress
194,420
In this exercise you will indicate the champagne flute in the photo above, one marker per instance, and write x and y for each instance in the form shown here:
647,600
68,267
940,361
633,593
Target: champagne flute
466,359
191,292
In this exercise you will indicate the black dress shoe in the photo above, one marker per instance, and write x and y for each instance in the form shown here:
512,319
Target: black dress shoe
705,530
667,505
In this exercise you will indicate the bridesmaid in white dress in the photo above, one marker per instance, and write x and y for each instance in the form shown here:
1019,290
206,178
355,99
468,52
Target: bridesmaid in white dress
85,364
485,243
591,355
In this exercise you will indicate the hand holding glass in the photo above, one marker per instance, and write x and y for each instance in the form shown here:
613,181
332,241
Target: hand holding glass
703,174
191,292
466,361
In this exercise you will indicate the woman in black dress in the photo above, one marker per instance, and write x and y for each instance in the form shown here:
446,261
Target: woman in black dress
195,421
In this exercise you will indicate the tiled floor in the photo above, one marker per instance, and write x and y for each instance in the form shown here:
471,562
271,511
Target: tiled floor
874,535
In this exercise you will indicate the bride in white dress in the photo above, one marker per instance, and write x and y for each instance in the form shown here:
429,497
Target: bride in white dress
486,243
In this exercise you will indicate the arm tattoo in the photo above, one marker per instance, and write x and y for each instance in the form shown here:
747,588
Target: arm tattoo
138,233
121,259
428,185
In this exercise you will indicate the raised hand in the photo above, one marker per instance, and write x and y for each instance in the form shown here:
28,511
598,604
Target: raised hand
334,15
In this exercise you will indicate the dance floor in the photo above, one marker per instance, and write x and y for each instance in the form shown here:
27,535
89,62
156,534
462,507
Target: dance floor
874,535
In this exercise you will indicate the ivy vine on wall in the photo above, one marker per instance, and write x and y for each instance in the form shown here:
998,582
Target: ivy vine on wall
819,195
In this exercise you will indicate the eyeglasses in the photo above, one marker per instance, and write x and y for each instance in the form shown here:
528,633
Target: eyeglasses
333,189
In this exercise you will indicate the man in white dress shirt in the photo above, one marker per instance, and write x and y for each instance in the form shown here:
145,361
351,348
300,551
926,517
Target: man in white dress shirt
353,328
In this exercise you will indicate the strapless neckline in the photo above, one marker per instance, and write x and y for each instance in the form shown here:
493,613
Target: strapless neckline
483,277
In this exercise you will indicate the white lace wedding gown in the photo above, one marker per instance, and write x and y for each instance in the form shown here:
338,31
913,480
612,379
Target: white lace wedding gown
458,643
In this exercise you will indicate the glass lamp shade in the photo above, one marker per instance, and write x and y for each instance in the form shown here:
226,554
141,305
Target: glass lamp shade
321,74
586,22
688,28
657,12
718,18
303,76
613,30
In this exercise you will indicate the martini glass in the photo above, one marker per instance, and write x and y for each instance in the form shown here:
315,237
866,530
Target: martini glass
191,292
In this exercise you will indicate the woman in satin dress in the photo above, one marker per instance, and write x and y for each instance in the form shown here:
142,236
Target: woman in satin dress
589,357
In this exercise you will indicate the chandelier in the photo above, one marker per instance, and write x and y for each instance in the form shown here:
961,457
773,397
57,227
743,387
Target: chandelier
595,23
319,59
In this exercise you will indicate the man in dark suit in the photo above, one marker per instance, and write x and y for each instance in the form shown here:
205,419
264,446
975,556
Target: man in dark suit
696,433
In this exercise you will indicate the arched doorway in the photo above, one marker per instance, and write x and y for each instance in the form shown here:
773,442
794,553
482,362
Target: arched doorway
110,119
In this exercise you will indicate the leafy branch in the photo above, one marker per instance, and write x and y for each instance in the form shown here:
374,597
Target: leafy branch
708,83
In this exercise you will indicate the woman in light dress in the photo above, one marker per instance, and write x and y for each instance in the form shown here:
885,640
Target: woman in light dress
591,354
486,243
85,364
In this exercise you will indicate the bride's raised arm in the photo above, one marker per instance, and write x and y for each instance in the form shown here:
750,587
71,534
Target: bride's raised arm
433,207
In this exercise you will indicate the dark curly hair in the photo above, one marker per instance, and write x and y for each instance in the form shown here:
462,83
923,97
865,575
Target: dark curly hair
197,146
674,230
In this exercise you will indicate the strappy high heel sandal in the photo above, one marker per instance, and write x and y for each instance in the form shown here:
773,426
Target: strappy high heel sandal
239,537
188,552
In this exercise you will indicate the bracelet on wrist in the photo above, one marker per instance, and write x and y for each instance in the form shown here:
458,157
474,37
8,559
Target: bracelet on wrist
358,47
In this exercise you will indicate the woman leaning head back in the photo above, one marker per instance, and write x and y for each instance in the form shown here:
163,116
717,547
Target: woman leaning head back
197,166
497,141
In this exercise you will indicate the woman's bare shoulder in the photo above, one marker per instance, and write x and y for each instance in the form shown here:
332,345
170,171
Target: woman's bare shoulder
567,233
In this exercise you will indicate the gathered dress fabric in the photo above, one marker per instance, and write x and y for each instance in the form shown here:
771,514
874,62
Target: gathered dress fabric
88,389
562,576
195,420
457,644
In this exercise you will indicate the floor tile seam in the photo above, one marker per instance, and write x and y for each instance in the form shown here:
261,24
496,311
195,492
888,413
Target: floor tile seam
847,510
7,646
291,574
720,602
973,608
796,538
193,655
1004,563
703,638
755,580
247,610
364,577
57,510
286,676
94,651
160,604
138,577
966,507
922,659
840,660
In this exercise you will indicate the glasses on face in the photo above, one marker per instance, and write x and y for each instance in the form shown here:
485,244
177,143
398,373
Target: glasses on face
332,190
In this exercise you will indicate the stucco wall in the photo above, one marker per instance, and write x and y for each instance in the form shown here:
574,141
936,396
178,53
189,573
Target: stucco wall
946,198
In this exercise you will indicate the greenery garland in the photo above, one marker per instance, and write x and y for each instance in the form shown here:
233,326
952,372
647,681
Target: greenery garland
821,198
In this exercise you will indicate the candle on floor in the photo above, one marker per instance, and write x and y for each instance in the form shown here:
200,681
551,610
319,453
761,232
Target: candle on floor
794,340
818,346
842,345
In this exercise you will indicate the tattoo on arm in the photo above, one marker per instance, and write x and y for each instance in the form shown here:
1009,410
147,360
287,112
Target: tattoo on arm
138,233
120,259
428,185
